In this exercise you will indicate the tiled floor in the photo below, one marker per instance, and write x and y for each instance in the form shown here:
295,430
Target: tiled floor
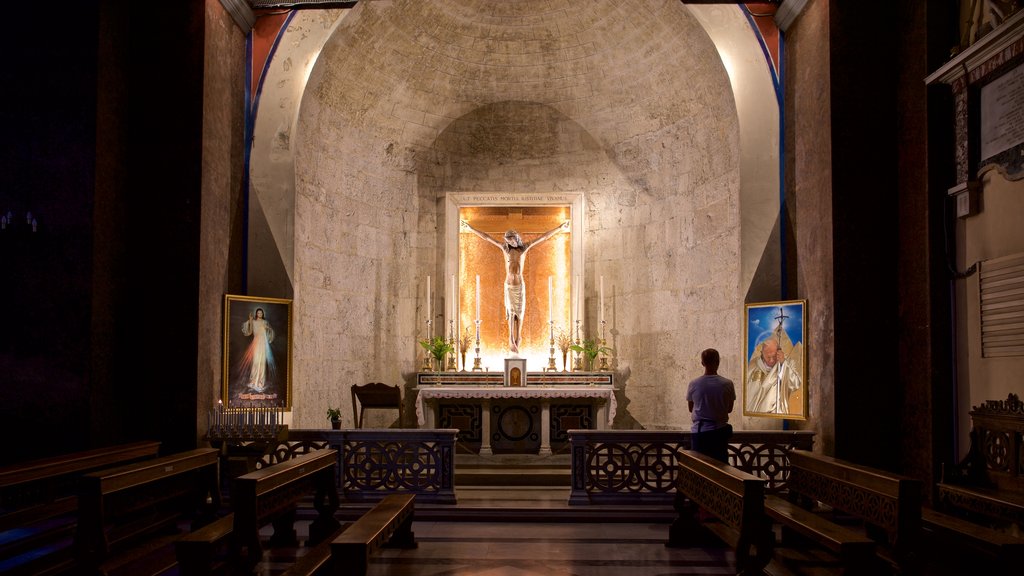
536,549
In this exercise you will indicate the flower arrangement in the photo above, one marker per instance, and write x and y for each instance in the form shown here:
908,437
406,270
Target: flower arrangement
590,349
564,341
465,341
438,348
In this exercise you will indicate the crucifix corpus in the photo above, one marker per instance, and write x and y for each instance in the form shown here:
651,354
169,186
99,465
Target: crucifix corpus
515,249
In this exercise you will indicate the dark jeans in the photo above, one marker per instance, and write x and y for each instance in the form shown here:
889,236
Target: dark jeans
714,443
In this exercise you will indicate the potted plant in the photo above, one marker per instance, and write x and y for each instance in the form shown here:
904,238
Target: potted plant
590,349
334,415
438,348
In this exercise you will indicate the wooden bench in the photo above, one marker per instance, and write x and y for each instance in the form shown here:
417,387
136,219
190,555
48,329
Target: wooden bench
734,497
388,523
39,500
124,504
987,550
269,495
883,507
988,485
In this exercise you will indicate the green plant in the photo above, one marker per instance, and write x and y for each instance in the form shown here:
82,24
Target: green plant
590,348
334,414
437,347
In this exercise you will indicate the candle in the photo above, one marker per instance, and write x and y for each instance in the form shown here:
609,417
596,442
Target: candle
550,300
451,308
600,311
577,302
428,299
477,297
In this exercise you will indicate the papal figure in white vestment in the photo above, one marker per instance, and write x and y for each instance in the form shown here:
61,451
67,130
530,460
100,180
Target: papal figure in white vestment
771,379
515,249
258,360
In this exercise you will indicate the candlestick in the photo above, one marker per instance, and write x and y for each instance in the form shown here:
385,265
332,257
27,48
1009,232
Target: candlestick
577,363
476,361
426,353
551,358
604,358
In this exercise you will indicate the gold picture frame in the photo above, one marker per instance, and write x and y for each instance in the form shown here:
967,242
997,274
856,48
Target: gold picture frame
775,360
257,352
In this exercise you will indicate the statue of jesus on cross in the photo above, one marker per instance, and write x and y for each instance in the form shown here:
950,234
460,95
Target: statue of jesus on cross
515,249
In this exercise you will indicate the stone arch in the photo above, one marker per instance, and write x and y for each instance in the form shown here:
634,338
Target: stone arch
372,148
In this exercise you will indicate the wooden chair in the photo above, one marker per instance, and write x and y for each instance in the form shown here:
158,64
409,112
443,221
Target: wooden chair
375,395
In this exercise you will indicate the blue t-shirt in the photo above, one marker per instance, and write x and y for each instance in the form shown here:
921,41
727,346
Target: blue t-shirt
711,396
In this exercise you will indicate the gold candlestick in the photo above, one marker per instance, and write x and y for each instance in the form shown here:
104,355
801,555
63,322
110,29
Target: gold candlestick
604,358
426,353
476,361
577,361
453,365
551,359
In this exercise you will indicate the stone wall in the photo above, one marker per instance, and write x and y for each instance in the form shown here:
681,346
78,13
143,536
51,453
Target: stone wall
627,102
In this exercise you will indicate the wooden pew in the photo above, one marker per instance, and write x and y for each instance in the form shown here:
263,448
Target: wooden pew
734,497
988,485
38,500
269,495
988,550
884,507
387,524
122,505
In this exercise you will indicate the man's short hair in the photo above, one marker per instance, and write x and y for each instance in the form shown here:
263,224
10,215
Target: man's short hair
710,357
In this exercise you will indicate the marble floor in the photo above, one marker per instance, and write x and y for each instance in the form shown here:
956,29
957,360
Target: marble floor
539,549
532,531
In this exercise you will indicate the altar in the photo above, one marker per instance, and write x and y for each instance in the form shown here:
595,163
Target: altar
515,419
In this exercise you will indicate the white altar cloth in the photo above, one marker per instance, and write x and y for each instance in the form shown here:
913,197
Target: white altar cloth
428,393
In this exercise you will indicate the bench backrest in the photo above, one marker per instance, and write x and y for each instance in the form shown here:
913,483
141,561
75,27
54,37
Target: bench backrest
160,489
76,463
261,494
735,496
887,500
120,478
46,488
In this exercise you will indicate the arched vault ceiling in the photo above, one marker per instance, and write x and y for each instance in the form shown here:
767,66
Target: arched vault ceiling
619,69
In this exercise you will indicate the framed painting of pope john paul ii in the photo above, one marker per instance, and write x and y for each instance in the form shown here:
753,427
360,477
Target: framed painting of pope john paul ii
257,352
774,360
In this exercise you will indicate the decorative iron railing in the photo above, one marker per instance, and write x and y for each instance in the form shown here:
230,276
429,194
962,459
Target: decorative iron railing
639,466
373,463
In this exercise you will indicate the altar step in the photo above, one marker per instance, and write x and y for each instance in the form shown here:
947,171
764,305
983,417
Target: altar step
505,470
505,476
523,504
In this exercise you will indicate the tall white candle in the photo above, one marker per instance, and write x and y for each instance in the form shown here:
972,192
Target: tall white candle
578,305
477,297
600,311
451,306
551,297
428,306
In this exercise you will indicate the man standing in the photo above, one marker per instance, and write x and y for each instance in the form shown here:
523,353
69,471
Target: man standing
710,399
515,251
